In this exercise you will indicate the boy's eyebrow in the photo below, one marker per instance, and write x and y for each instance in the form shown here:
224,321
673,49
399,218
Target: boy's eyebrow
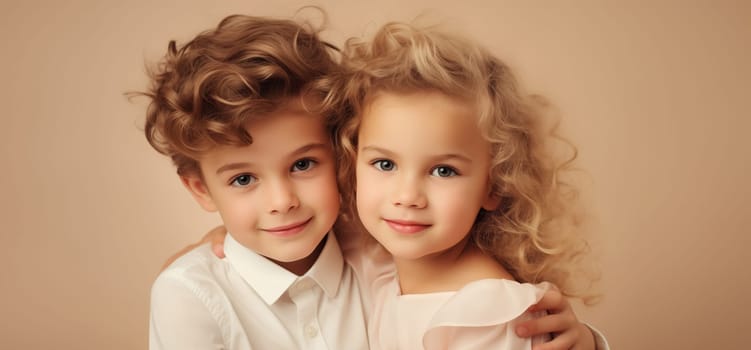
309,147
301,150
456,156
231,166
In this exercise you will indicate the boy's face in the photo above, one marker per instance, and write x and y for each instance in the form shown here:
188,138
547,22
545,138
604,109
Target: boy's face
422,172
277,196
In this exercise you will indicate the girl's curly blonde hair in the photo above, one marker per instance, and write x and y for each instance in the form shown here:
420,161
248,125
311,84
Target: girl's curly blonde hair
536,232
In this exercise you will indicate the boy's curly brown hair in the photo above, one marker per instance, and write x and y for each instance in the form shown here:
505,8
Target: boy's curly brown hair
203,93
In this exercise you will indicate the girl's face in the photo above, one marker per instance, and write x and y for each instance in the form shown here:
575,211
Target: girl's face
422,172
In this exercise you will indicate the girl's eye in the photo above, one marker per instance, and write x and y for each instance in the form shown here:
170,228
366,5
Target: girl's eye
443,171
243,180
384,165
303,164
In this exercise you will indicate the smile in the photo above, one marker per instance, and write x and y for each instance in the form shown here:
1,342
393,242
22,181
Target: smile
406,227
288,230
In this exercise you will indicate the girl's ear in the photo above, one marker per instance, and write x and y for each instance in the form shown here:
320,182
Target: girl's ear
491,202
200,192
492,197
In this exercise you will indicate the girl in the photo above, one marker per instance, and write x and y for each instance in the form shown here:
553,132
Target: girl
457,181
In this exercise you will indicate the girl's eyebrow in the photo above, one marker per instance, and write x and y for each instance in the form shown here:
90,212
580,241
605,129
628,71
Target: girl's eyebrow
439,157
454,156
377,149
301,150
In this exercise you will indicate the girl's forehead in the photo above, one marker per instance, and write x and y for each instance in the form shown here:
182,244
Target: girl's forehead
427,107
397,99
417,119
461,97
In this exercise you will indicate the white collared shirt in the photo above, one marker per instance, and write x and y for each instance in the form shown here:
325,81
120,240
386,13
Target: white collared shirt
246,301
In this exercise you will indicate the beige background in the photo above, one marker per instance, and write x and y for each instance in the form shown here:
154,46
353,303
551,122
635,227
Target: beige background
656,95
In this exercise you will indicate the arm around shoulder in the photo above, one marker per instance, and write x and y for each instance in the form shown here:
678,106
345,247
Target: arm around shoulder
179,318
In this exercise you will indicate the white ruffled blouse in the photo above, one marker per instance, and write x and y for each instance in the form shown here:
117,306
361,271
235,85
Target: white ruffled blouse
481,315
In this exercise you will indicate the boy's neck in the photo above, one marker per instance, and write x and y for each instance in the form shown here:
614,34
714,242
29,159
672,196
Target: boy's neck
300,267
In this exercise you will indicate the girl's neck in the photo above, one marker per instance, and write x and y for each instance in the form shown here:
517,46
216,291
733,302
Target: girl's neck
431,273
449,270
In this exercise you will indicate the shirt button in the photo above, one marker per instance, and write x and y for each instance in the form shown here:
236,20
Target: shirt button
311,331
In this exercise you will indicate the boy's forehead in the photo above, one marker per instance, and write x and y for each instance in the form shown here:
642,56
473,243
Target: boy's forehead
287,120
302,103
302,106
279,134
290,122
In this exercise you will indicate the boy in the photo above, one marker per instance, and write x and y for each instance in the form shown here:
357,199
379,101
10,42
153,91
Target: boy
239,110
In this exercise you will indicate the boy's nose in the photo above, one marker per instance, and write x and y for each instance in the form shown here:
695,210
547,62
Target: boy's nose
282,197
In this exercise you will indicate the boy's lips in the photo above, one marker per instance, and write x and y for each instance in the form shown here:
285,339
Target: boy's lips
406,226
288,230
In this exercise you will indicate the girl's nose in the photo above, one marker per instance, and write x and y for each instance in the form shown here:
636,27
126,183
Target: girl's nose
410,194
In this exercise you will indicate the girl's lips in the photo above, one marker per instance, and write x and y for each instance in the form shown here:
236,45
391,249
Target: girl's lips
288,230
406,227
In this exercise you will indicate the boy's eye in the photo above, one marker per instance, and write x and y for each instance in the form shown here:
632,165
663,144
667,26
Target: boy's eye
303,164
384,165
443,171
243,180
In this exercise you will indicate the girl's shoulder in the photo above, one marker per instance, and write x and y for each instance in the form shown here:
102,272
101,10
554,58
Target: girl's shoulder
477,265
474,266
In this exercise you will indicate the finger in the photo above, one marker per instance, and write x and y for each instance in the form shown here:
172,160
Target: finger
218,249
564,341
552,301
216,238
554,323
216,234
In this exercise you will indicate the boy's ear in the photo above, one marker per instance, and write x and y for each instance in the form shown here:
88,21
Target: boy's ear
200,192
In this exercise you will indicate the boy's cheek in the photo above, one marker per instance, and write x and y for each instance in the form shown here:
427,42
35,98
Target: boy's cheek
327,191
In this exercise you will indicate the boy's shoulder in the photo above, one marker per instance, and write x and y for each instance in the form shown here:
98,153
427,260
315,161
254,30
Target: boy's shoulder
190,296
200,256
198,266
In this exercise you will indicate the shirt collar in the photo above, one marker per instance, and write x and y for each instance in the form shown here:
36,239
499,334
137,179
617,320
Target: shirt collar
328,269
270,280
